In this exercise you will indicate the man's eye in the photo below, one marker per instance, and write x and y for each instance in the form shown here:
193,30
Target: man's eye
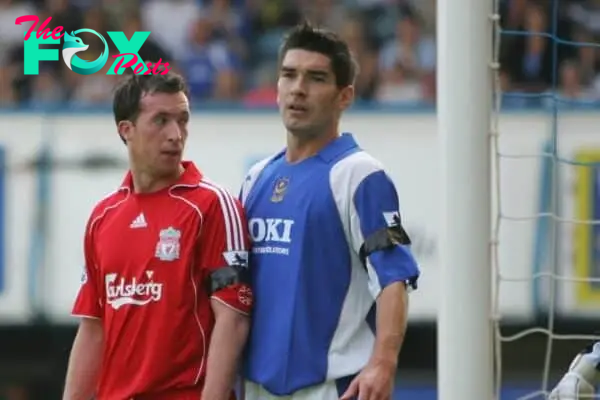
160,120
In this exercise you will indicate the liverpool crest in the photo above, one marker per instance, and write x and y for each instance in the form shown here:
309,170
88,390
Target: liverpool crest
167,248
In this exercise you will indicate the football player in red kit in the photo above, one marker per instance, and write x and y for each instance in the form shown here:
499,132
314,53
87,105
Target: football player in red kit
164,302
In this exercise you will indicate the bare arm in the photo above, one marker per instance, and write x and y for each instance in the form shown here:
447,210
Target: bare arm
392,311
84,361
376,380
226,345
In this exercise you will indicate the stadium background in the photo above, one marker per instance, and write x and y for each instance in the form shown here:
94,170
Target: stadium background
59,154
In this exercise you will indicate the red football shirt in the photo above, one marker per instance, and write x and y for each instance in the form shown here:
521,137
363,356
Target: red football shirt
148,257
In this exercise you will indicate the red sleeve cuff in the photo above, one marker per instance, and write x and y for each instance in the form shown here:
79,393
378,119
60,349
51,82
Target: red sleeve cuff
83,310
238,297
83,315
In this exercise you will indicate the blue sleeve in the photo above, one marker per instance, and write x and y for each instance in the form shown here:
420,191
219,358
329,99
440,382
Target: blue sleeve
376,204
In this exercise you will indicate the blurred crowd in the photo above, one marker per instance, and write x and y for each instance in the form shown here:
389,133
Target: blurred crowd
559,57
227,49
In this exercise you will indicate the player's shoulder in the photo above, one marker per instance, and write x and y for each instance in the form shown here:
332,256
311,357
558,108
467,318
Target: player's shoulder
208,192
109,202
260,165
354,167
255,171
360,159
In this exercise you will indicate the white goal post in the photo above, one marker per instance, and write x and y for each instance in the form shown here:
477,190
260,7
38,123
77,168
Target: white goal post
464,103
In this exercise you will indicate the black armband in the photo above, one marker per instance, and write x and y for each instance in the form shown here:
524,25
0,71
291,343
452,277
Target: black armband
227,276
383,239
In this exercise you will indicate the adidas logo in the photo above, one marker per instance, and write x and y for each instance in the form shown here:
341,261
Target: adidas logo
139,222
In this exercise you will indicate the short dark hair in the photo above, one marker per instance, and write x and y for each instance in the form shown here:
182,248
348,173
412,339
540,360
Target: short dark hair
307,37
129,92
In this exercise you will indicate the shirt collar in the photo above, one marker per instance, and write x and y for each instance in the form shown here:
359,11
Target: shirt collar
342,144
191,177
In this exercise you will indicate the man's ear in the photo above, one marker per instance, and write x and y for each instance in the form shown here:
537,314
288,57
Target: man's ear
125,129
346,97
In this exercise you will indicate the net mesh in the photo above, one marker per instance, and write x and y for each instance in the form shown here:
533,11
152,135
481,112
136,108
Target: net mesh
554,274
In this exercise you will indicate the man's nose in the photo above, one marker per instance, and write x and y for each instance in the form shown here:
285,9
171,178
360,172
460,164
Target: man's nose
174,132
299,87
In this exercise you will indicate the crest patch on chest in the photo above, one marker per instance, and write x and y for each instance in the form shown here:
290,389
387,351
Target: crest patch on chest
168,246
281,186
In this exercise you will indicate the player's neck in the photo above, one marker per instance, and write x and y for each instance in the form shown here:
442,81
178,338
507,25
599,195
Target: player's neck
299,149
144,182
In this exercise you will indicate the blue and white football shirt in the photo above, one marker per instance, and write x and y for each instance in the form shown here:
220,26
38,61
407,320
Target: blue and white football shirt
314,312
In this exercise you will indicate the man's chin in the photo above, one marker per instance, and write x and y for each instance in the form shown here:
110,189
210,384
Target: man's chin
299,128
171,167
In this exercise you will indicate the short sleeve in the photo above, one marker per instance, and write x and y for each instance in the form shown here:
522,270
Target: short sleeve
89,300
375,207
225,243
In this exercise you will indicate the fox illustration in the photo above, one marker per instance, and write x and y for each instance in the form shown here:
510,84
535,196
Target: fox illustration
72,45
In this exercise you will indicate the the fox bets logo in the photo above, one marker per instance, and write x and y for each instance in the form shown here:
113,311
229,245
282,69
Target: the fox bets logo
128,56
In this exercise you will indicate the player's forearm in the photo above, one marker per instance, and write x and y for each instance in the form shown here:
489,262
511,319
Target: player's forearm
84,362
392,311
226,345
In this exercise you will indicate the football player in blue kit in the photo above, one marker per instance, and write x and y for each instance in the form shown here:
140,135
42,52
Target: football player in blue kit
332,265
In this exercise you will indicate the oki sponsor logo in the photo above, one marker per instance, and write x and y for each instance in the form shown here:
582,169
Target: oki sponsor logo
121,291
271,235
271,229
